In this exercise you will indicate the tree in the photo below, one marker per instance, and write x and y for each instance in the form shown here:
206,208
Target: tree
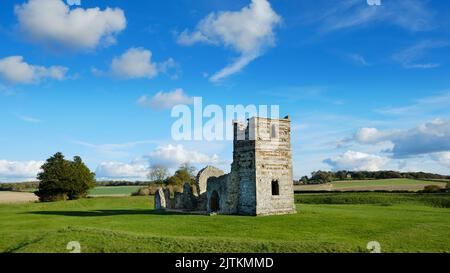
82,179
190,169
304,180
321,177
158,173
181,177
62,179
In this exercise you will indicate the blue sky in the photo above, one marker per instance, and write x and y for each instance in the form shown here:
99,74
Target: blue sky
367,86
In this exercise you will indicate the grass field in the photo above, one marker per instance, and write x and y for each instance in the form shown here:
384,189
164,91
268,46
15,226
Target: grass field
113,191
371,185
324,223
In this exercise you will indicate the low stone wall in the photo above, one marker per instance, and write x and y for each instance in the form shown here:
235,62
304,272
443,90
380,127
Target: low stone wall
185,200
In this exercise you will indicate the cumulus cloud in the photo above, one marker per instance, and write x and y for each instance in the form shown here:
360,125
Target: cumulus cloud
118,170
430,137
371,136
165,100
52,22
19,170
137,63
15,70
175,155
170,156
248,31
357,161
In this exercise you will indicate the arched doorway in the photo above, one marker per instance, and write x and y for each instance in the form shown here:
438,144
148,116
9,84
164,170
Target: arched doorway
214,202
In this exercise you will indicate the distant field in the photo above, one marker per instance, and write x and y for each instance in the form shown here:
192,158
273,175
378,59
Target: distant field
113,191
329,222
29,196
8,197
371,185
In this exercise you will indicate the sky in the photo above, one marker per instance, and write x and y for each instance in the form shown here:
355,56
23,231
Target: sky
366,83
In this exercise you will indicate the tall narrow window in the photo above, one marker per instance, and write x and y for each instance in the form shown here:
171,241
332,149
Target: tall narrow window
275,187
274,131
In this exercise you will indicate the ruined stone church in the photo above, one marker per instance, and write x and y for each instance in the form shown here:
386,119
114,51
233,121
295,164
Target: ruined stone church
260,181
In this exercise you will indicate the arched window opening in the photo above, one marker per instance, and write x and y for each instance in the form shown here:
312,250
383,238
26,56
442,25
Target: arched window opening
275,187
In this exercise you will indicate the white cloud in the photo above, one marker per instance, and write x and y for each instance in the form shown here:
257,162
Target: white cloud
19,170
52,22
442,158
15,70
175,155
165,100
371,135
248,31
118,170
170,156
137,63
357,161
427,138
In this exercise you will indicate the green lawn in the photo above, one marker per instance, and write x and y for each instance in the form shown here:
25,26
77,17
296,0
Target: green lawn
111,191
129,224
382,184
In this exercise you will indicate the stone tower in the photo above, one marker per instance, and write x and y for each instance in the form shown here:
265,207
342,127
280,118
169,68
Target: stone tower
260,181
262,162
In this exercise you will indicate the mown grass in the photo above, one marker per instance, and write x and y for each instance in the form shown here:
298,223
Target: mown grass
129,224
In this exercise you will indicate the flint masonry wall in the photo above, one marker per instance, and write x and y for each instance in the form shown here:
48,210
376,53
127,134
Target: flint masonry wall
203,175
273,164
244,168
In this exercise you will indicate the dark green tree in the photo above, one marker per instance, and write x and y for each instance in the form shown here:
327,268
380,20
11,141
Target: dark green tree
304,180
321,177
181,176
62,179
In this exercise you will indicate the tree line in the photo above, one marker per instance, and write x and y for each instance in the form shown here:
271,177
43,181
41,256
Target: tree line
321,177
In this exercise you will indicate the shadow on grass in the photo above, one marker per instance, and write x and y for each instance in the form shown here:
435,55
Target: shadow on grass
101,213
